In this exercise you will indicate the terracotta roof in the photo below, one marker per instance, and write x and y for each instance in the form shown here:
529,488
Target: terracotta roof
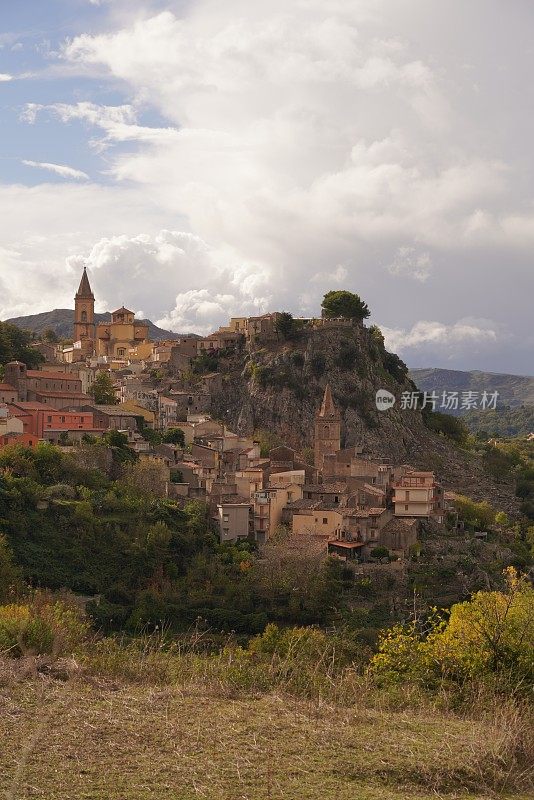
6,387
368,512
66,394
304,503
15,411
56,376
399,524
122,310
114,411
346,545
325,488
373,489
25,405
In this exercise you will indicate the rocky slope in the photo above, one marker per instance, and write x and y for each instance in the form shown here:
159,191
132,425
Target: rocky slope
279,387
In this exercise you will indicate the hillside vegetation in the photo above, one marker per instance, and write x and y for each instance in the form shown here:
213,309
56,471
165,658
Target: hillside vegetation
440,710
514,390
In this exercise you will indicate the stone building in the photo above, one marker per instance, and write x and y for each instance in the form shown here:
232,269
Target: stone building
115,339
84,317
327,429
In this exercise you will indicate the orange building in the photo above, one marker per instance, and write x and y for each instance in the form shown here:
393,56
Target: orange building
39,418
25,439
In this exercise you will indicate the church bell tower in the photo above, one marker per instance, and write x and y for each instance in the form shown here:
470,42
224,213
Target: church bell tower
84,315
327,428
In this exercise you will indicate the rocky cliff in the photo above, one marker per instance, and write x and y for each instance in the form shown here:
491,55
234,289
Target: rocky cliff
278,386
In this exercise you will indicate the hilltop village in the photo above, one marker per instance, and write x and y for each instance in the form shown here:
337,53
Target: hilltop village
341,500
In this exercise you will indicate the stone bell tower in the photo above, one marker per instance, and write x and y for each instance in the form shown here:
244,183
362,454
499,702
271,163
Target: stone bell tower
327,428
84,315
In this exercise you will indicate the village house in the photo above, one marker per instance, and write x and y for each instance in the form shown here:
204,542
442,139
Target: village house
8,393
348,502
234,521
268,507
418,494
10,425
55,389
111,417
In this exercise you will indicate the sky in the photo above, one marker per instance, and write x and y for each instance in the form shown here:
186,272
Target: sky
205,159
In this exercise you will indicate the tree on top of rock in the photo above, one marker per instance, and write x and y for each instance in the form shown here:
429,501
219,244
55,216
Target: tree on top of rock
344,304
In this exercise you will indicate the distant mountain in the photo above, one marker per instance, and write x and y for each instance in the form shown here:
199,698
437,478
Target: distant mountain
61,320
514,390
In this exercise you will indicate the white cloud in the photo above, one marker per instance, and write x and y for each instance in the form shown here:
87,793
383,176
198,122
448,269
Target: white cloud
118,122
465,333
173,265
59,169
308,145
339,275
409,263
5,77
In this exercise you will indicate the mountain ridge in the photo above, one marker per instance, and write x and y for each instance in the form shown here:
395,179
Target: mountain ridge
514,390
61,321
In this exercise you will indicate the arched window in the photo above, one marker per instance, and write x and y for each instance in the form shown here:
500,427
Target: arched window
84,316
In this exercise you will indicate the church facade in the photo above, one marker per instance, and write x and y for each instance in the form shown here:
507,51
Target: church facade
114,339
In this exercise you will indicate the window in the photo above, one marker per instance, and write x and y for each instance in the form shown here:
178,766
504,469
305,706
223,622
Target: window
84,316
225,517
406,508
325,520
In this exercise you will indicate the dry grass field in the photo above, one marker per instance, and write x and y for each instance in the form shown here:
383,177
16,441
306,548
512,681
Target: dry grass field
87,738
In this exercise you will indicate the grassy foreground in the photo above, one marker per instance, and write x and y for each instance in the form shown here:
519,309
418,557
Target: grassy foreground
71,734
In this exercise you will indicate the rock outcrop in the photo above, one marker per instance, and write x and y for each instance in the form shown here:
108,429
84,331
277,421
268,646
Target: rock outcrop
278,386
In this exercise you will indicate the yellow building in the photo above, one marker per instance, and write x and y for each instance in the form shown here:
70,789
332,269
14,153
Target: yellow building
140,411
115,339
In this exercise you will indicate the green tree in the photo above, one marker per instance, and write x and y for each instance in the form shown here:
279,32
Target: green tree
380,553
102,390
344,304
50,336
285,325
449,426
174,436
15,345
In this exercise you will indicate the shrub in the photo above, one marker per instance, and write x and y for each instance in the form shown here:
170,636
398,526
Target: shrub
449,426
491,634
317,364
40,627
9,573
474,514
347,355
395,366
